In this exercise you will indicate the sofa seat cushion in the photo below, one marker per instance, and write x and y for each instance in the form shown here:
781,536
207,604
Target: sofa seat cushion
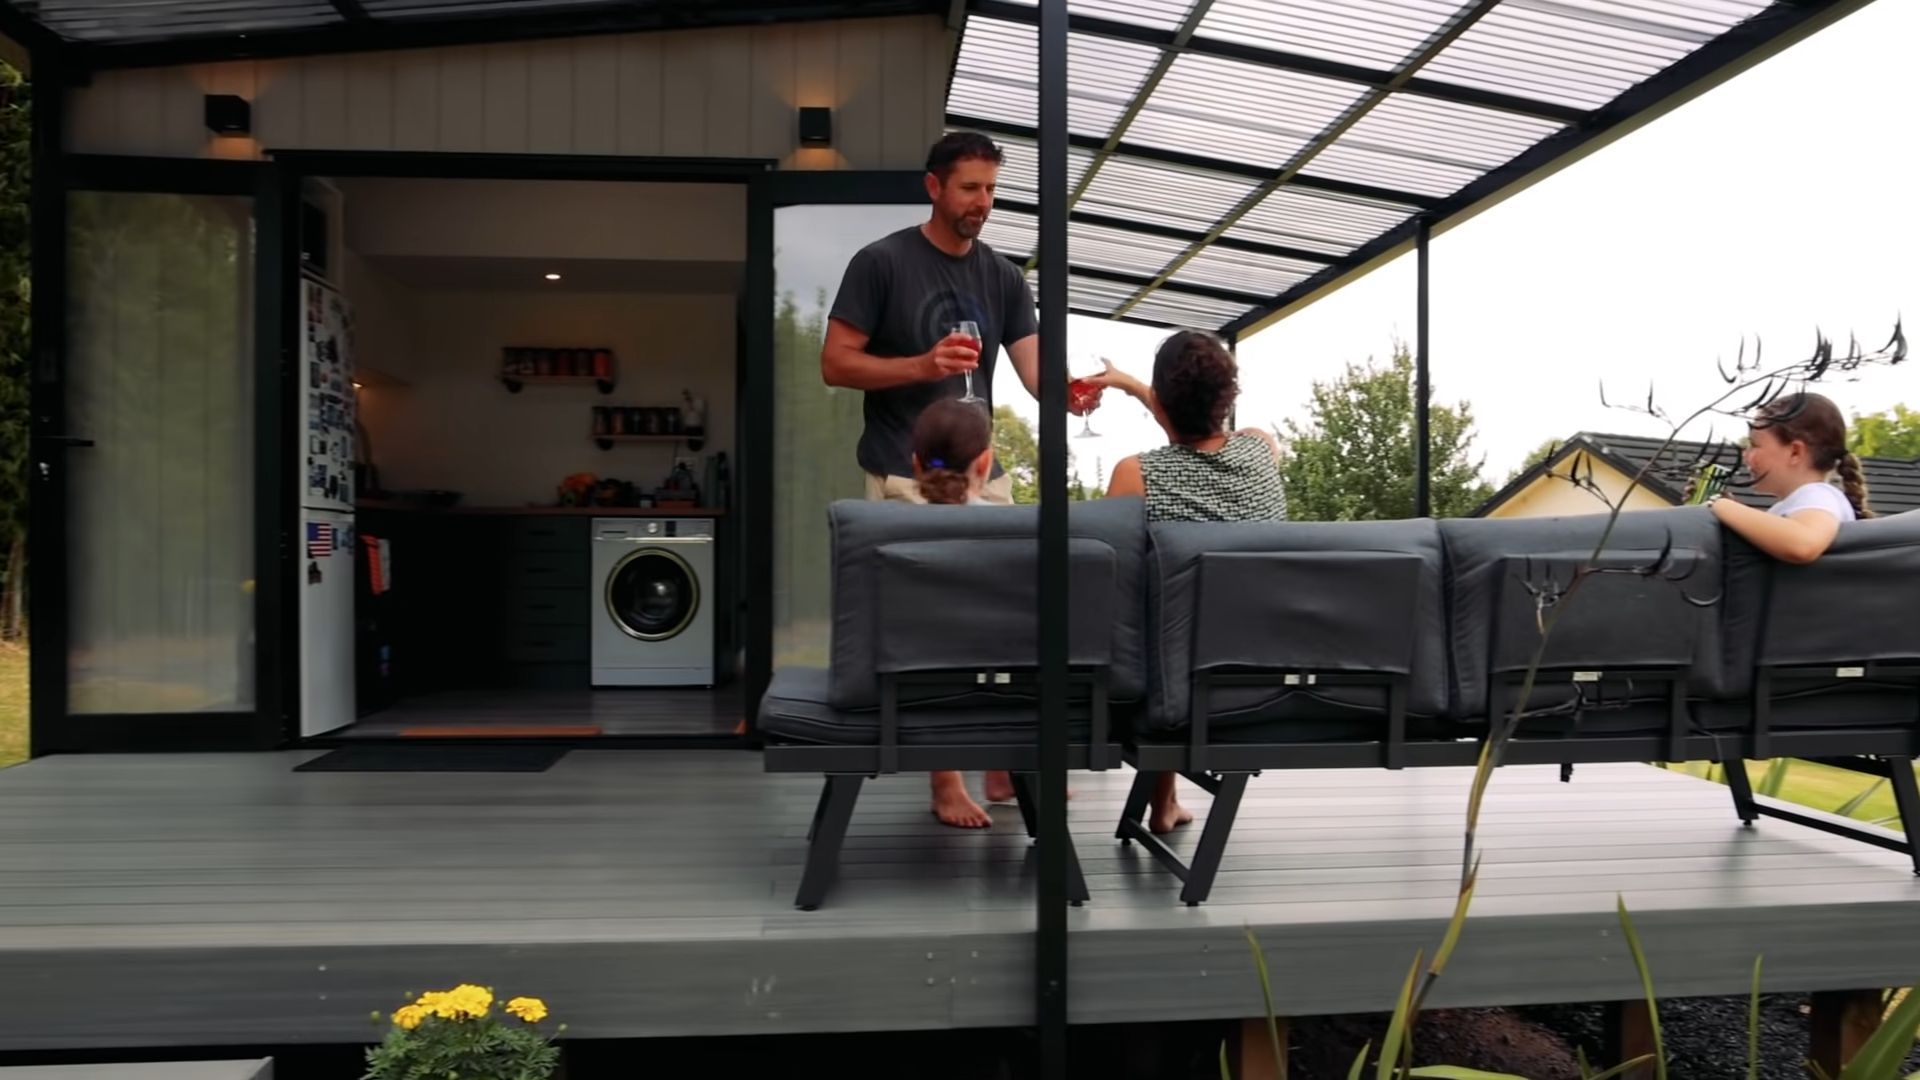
795,709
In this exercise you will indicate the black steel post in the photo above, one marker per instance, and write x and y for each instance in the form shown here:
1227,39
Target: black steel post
1050,982
49,437
1422,385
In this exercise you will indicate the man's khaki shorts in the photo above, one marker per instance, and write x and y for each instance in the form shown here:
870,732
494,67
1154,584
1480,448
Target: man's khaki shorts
999,490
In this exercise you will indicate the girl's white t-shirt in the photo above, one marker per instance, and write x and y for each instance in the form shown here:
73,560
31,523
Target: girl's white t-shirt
1818,495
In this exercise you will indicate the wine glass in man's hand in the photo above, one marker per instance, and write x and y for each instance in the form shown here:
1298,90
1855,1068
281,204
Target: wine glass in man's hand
969,329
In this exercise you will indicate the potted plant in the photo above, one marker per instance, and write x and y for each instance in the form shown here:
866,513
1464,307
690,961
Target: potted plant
454,1035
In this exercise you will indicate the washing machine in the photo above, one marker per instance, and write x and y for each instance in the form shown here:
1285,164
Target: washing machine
653,604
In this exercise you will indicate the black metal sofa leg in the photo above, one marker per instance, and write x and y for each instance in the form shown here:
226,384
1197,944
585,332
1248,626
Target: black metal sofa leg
825,839
1213,839
1906,798
1138,797
1742,788
1024,792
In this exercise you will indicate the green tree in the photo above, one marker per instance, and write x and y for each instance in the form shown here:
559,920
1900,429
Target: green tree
1540,453
15,157
1353,459
1018,452
1893,433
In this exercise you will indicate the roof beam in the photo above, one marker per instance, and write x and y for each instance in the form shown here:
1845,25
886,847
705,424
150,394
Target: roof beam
1238,169
1174,232
1734,51
1285,61
379,34
27,33
1463,19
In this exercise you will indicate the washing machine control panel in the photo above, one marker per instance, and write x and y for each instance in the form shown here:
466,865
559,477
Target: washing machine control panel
651,528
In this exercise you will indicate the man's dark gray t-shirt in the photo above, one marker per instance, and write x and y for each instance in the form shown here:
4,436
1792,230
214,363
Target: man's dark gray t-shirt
905,295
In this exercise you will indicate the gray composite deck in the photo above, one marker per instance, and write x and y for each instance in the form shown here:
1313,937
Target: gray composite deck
223,899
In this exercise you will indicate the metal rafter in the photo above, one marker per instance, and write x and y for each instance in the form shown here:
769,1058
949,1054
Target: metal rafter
1095,26
1180,158
1174,232
1734,51
1121,277
1463,20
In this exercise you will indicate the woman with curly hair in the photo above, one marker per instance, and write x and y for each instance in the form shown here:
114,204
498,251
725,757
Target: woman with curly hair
1204,473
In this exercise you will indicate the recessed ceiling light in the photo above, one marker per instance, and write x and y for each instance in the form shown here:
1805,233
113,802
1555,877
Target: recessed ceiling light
553,277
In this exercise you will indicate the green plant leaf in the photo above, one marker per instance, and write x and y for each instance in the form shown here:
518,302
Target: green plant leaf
1775,777
1266,994
1397,1027
1455,1072
1881,1057
1226,1070
1753,1024
1852,806
1580,1056
1360,1063
1818,1072
1646,986
1623,1068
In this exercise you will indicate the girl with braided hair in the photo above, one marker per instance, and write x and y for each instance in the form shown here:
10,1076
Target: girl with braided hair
1796,446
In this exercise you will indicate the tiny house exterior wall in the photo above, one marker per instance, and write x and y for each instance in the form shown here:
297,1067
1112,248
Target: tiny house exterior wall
729,92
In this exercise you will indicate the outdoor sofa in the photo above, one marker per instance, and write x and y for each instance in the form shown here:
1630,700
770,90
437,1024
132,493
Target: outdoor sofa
1230,649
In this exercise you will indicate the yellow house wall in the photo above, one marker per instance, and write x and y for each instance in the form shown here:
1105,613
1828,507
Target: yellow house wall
1554,496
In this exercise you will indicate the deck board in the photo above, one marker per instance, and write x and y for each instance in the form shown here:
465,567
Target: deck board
224,899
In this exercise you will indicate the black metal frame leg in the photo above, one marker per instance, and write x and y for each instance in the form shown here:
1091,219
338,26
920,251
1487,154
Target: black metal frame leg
1138,796
1906,797
1213,839
828,834
1742,788
1024,793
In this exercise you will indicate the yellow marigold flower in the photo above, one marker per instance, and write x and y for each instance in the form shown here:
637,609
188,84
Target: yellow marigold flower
532,1010
409,1016
460,1003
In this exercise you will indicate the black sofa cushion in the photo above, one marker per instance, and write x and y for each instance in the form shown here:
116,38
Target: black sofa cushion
795,709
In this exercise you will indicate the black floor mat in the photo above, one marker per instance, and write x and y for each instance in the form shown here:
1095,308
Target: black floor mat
436,759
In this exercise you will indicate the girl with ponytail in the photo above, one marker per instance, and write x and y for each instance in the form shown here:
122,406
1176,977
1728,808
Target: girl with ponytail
1796,445
952,451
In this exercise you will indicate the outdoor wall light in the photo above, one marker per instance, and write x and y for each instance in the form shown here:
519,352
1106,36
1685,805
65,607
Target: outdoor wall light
552,277
816,126
228,114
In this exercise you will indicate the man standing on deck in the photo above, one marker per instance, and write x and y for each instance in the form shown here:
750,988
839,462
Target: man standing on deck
891,334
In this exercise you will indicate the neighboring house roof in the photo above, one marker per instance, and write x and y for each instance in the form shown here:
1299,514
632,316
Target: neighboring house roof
1893,485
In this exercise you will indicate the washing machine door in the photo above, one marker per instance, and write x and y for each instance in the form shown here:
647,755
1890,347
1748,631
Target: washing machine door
652,594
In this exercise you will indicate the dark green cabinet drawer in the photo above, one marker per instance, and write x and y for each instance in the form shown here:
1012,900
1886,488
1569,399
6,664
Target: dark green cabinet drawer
547,644
547,569
530,606
535,533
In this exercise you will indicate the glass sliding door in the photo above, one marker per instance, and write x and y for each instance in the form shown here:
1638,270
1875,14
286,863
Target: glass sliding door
160,509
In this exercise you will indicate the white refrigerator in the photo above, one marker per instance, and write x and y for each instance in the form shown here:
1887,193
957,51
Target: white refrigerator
327,544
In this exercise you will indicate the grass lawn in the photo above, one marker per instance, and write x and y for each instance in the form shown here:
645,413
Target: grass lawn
13,704
1822,787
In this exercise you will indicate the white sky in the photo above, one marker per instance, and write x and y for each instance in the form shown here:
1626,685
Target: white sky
1783,200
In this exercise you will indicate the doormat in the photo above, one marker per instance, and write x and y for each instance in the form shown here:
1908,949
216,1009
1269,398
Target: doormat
519,759
501,731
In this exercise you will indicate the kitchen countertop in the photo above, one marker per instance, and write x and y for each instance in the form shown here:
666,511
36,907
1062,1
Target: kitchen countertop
541,511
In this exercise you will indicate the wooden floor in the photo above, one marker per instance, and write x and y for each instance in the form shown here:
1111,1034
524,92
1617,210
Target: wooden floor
224,899
627,712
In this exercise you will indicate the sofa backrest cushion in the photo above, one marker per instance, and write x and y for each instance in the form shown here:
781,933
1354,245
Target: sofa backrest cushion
872,544
1858,602
1294,595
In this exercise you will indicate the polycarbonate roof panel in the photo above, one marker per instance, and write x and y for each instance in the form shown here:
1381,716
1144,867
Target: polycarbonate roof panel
1090,294
1011,232
1020,172
405,9
1185,309
115,21
1159,14
1104,248
1245,271
1371,33
1318,221
1582,53
1239,111
1427,146
1163,194
995,77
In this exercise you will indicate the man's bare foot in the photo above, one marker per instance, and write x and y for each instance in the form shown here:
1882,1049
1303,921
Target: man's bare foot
953,806
999,786
1168,816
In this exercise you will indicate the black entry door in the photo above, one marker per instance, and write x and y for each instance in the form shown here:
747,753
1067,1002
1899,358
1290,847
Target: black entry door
157,613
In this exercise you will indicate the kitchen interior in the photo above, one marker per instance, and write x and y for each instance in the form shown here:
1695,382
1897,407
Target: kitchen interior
518,432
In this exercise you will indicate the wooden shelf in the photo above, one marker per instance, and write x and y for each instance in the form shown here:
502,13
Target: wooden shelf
514,383
694,442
